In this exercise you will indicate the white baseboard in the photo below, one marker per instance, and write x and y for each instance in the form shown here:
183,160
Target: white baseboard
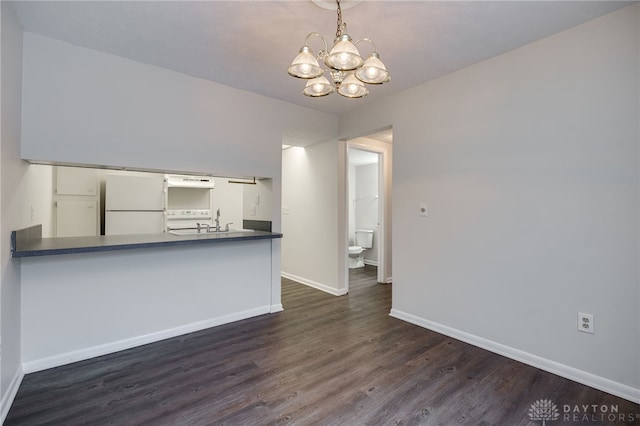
276,308
82,354
317,286
388,280
371,262
601,383
10,394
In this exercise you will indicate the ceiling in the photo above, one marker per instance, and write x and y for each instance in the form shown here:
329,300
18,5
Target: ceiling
249,44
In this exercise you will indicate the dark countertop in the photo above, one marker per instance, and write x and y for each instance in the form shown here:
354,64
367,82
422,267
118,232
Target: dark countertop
27,243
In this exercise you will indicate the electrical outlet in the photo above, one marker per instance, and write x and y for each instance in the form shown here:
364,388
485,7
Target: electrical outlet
585,323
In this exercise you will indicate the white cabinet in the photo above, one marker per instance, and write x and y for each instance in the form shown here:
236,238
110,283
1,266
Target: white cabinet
76,181
77,202
76,218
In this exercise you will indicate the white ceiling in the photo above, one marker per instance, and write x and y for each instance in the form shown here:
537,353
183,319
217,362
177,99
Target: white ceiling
249,44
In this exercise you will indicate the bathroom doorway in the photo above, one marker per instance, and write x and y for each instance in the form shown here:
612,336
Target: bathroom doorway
368,239
364,214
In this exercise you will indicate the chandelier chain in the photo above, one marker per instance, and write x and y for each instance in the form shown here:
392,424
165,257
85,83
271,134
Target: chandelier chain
339,23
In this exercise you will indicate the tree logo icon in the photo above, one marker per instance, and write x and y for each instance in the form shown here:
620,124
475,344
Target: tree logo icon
543,409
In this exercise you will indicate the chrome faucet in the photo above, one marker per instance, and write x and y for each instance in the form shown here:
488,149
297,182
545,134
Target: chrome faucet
217,220
203,226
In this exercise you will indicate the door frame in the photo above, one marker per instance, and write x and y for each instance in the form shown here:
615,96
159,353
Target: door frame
382,204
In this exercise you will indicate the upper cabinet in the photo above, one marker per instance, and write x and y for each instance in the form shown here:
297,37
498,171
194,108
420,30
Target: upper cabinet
76,181
76,197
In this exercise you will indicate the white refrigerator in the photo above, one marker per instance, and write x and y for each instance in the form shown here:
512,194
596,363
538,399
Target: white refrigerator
135,204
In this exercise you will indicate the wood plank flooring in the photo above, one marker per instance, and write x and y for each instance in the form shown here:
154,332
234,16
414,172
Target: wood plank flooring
325,360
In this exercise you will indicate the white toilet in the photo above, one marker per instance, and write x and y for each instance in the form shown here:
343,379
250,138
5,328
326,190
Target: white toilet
364,240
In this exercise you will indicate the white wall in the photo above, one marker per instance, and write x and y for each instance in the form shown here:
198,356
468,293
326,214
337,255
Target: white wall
228,197
352,196
102,302
530,164
95,108
36,191
257,201
310,216
12,171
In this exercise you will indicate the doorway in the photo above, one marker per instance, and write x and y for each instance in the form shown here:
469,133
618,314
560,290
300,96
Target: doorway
367,205
364,212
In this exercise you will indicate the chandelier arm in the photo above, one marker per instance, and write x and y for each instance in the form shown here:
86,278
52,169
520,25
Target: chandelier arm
370,41
324,42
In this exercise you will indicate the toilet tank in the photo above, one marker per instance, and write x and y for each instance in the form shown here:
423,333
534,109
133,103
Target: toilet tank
364,238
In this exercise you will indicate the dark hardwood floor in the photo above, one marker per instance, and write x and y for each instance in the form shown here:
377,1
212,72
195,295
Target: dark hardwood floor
325,360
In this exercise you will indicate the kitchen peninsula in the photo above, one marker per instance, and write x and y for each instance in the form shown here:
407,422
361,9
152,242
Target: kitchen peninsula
87,296
29,242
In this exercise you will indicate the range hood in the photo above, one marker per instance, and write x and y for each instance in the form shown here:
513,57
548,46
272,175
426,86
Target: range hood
184,181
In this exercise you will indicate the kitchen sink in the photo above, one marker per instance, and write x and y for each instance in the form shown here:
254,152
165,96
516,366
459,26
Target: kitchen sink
194,231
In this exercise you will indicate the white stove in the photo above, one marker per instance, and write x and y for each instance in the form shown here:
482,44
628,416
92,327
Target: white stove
188,218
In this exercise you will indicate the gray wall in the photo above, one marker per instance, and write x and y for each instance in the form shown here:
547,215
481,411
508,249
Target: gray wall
530,164
11,173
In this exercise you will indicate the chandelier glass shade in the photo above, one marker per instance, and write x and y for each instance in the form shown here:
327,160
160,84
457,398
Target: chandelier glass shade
305,65
351,87
318,86
344,55
347,69
373,71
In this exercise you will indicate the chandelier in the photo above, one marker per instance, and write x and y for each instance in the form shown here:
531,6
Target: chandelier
346,67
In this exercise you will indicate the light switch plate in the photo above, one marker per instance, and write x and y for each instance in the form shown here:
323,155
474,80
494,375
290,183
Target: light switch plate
423,211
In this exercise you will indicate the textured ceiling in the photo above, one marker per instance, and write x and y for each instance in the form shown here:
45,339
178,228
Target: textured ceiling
249,44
